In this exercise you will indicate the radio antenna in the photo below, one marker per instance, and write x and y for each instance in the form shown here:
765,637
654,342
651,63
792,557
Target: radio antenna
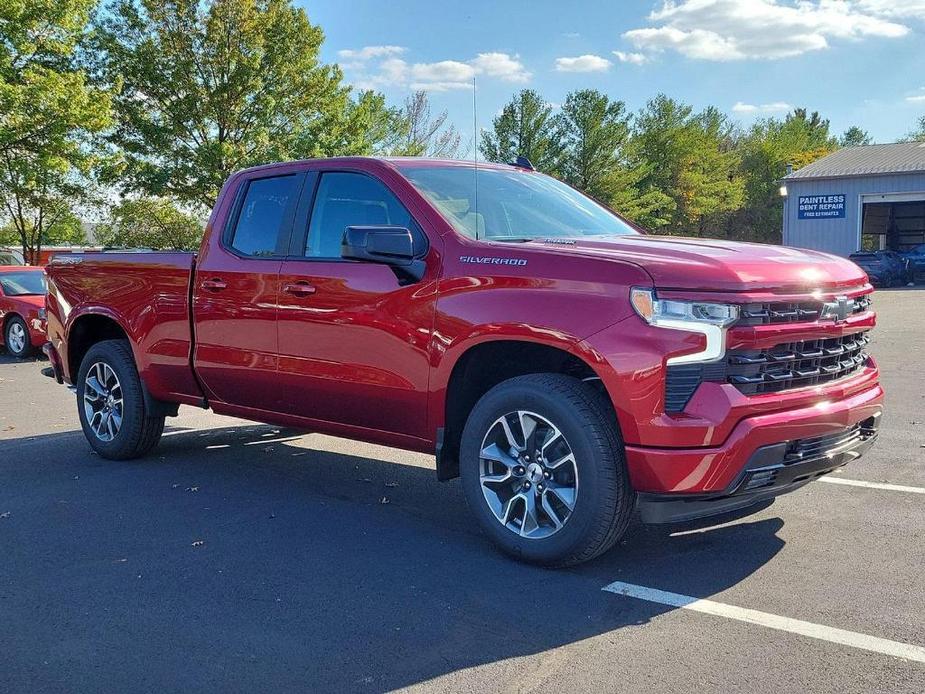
475,156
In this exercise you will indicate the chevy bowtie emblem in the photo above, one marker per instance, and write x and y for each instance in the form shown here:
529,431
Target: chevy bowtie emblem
836,310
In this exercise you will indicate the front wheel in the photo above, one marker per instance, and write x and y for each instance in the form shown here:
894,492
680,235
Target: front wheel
17,340
543,470
111,403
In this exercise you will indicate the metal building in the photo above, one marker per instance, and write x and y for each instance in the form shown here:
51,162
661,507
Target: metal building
870,198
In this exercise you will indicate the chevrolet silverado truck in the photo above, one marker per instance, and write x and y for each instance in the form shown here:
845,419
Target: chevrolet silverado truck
571,369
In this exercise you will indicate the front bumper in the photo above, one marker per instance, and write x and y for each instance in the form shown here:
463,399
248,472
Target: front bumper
756,444
771,471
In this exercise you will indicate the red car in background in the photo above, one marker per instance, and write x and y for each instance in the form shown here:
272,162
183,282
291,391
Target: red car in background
22,309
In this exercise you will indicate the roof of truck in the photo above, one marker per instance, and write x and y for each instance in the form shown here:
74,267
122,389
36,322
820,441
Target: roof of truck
395,162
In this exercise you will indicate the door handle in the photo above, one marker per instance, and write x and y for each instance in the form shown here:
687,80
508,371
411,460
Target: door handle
215,285
299,289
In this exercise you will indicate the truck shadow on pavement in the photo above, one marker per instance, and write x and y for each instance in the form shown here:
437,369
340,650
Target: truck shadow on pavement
235,559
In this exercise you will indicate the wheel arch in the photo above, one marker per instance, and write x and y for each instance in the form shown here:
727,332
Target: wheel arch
87,330
91,328
485,364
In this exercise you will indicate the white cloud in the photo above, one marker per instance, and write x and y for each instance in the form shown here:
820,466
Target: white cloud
582,63
368,52
916,98
444,71
633,58
723,30
914,9
501,65
382,68
773,107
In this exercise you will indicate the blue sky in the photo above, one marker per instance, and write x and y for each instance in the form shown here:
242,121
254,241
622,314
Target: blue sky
856,61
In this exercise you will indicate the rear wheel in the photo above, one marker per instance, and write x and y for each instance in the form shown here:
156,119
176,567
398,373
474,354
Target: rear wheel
16,338
111,404
543,471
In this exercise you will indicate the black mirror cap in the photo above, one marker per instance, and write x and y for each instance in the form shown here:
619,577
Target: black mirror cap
388,245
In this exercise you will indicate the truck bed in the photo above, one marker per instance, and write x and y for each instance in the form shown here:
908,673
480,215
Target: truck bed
146,293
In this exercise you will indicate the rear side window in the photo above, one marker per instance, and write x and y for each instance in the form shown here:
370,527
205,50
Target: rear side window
264,212
347,199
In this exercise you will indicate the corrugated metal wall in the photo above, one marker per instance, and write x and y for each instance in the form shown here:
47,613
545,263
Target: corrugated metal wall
839,236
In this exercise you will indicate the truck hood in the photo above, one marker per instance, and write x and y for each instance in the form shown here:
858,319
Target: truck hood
716,265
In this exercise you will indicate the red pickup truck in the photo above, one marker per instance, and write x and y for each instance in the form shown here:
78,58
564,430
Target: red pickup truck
570,368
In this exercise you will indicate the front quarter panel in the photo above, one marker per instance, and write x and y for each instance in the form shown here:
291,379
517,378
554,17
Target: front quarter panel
503,291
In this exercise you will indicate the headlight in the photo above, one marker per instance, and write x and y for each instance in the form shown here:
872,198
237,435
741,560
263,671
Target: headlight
709,319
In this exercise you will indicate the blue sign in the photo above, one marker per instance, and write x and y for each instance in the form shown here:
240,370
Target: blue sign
822,206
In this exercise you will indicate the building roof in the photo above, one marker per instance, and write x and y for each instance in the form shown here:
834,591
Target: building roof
869,160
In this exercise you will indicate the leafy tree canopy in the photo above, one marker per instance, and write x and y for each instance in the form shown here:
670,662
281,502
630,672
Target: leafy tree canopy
525,127
153,223
208,87
49,116
855,137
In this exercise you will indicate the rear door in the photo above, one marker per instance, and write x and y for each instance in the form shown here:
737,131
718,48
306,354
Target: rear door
353,336
235,293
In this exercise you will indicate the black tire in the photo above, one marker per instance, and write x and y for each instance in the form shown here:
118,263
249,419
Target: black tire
7,339
604,503
139,432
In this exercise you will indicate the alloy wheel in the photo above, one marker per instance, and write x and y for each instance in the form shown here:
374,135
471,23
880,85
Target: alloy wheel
528,474
103,401
16,338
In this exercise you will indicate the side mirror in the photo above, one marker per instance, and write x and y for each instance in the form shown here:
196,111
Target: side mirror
392,246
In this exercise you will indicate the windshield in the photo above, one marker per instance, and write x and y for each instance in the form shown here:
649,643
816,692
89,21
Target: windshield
22,283
512,205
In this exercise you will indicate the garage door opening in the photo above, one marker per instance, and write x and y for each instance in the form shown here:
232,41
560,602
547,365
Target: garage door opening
895,225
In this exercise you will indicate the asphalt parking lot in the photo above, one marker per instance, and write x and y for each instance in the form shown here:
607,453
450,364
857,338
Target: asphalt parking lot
244,558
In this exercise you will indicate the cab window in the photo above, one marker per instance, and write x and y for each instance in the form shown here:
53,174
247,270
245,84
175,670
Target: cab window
263,214
346,199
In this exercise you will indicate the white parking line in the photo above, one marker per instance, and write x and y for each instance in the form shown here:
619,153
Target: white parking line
873,485
772,621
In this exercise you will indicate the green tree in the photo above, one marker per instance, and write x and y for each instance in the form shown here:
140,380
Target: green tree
211,86
691,158
595,133
767,149
528,128
52,224
153,223
855,137
49,116
917,134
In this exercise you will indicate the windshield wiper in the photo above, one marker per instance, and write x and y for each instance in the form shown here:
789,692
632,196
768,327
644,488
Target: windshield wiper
511,239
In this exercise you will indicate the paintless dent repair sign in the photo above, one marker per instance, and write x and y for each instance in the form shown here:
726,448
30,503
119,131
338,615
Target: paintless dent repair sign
822,206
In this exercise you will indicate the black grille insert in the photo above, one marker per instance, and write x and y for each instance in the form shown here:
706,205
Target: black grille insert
796,364
683,379
783,367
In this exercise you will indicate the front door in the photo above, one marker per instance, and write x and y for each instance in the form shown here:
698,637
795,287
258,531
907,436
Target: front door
353,336
235,295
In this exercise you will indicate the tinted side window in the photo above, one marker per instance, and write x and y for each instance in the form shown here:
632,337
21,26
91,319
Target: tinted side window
262,215
349,199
